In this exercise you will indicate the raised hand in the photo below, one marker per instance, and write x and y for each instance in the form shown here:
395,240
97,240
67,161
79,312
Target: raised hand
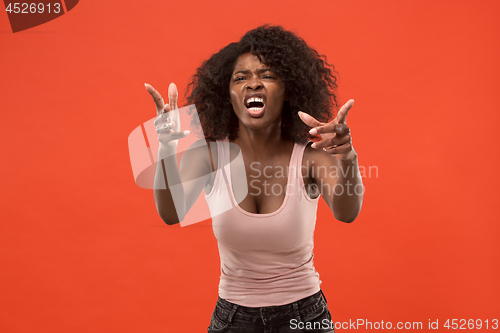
336,134
168,125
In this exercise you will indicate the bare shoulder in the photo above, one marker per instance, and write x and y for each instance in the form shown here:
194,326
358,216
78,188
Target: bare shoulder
213,153
197,158
314,159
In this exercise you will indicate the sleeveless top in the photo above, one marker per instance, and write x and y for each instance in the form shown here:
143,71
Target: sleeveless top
266,259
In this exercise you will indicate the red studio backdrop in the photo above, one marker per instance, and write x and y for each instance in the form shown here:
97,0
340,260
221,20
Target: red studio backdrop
82,246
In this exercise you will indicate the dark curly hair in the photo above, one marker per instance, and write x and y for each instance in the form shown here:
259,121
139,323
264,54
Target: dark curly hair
310,83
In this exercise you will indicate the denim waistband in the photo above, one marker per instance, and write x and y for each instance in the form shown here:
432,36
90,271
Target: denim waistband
301,307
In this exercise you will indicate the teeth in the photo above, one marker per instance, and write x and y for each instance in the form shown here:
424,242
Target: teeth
255,109
255,99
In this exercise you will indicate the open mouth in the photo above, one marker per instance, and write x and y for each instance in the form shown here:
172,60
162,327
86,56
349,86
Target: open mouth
255,105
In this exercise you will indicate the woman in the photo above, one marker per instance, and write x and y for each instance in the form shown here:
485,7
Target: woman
264,98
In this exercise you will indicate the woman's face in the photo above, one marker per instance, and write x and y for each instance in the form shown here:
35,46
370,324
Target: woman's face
257,93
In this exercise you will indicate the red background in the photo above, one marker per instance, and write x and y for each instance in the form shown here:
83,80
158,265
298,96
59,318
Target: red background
82,247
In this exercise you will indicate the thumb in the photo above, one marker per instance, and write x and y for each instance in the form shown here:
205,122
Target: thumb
309,120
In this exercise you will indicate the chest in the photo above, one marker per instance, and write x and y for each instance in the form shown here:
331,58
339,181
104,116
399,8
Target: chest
266,185
261,187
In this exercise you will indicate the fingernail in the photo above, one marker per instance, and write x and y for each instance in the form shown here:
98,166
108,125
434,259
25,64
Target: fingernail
186,132
313,145
313,131
172,90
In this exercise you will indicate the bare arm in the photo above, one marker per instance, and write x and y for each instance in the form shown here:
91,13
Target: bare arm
174,201
335,169
339,183
175,191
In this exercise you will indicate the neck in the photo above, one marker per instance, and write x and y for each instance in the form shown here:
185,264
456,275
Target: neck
261,143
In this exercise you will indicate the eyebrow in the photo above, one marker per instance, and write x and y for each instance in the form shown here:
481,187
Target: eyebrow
246,71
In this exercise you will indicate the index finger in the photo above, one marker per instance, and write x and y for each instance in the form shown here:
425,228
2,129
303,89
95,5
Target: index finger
172,96
341,116
156,97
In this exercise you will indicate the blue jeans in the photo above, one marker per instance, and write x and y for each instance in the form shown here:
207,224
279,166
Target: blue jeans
309,314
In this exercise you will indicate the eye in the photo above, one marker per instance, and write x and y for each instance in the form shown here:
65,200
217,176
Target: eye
239,78
268,77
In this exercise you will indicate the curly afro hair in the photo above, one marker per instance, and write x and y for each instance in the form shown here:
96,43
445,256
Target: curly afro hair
310,83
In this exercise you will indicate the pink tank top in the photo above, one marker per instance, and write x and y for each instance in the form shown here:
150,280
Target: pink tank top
266,259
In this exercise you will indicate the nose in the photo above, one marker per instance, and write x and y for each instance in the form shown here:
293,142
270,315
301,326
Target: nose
254,83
